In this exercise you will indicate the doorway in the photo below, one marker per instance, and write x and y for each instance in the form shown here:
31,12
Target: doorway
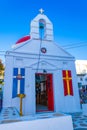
44,92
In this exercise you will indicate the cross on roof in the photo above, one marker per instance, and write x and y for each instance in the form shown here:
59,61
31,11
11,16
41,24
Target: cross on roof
41,11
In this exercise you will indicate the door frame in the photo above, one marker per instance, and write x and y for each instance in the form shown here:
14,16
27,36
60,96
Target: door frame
50,92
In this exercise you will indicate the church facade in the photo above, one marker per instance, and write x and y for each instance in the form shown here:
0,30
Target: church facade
42,71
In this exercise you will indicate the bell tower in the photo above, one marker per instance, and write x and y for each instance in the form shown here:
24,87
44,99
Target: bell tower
41,27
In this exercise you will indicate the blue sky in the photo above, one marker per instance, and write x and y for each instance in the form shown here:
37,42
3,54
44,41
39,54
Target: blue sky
69,18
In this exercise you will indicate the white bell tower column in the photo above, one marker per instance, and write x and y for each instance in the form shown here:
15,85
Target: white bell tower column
47,25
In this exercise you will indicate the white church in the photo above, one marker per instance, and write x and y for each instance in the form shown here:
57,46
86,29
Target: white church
40,76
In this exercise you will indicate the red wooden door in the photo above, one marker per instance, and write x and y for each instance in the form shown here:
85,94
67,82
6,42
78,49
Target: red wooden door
49,86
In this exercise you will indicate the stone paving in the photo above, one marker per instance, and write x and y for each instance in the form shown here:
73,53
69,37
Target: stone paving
79,121
10,114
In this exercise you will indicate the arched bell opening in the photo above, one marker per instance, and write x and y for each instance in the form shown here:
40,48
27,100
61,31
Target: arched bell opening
42,28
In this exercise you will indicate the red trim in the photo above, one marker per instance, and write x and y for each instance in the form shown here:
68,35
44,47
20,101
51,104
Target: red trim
64,73
67,81
65,88
50,92
71,88
49,89
23,39
69,73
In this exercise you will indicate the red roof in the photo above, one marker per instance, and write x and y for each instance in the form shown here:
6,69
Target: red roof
23,39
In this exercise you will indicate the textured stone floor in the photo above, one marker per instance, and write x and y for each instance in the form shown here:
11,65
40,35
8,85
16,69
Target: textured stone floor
10,114
79,121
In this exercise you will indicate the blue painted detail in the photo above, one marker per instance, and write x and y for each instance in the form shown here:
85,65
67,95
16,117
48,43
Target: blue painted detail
15,71
15,81
22,86
14,93
22,71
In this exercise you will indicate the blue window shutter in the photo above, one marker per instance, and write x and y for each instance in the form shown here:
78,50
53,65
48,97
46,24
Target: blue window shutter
14,91
22,71
22,83
15,71
22,86
15,81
